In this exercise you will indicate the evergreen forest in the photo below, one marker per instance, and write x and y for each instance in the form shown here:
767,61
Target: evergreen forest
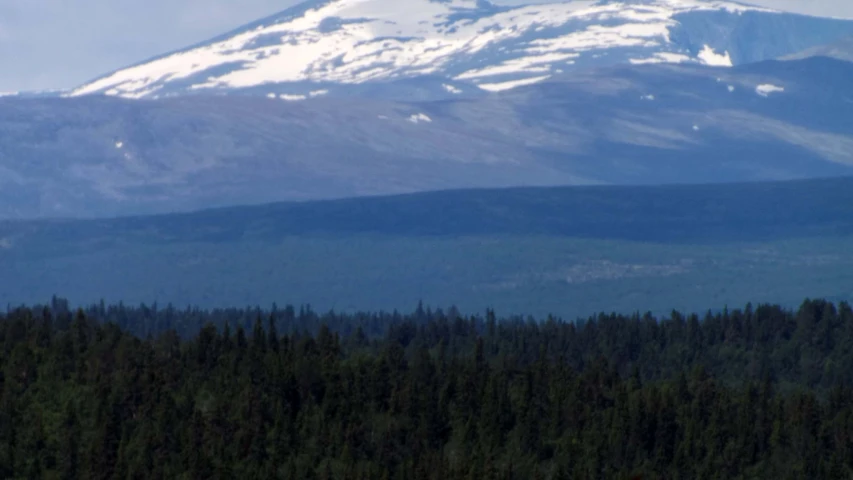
132,392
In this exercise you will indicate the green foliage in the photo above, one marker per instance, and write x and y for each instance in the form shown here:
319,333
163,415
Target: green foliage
749,393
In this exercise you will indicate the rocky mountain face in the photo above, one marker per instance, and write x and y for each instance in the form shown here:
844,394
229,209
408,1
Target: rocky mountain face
628,124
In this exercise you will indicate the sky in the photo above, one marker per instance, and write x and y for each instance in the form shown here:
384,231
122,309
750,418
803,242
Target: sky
54,44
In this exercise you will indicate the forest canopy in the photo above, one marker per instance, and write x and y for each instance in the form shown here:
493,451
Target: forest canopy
112,391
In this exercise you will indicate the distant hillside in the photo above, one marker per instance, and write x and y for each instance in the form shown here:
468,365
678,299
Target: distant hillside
570,251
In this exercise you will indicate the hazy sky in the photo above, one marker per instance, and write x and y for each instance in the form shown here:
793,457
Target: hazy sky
61,43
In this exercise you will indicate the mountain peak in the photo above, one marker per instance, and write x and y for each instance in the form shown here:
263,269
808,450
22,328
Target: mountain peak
356,41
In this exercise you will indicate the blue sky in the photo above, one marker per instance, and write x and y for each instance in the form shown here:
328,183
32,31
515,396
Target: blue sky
48,44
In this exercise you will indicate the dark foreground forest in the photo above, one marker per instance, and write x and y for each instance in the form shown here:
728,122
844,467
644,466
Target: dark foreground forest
142,392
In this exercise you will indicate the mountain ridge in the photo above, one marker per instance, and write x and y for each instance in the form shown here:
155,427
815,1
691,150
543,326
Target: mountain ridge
841,50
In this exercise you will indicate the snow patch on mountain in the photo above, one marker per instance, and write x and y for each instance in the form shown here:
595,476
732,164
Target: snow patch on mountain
534,63
295,97
497,87
709,57
420,117
766,89
355,41
662,57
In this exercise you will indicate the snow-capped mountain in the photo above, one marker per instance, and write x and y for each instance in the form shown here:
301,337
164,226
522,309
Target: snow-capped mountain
301,52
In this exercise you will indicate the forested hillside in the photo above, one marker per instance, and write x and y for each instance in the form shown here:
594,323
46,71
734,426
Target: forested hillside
146,392
568,251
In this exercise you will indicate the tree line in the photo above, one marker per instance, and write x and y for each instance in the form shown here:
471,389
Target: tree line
114,391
